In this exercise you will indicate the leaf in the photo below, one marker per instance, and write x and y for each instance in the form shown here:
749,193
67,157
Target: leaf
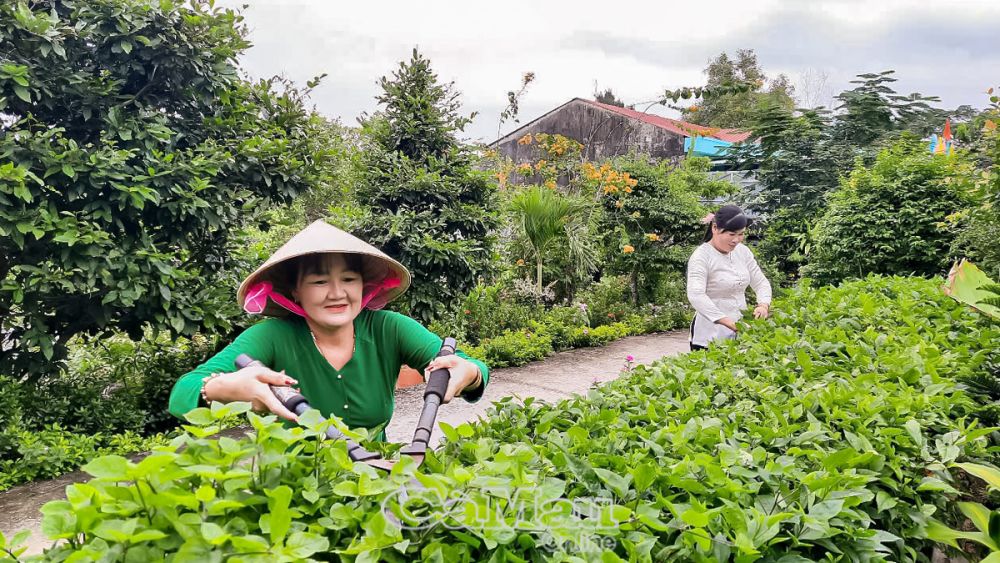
22,93
644,475
913,429
109,467
988,474
617,483
301,545
694,517
935,484
278,502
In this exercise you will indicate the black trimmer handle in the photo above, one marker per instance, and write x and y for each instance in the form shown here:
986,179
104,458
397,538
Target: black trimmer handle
437,387
296,403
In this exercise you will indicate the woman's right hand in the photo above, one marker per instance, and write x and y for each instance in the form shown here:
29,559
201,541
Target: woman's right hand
728,323
251,384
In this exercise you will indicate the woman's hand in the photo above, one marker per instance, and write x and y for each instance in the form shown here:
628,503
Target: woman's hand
728,323
251,384
761,311
463,373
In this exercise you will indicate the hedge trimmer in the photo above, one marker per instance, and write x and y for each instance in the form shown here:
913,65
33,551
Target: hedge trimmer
437,386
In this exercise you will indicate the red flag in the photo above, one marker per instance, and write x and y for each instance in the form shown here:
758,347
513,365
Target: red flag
947,130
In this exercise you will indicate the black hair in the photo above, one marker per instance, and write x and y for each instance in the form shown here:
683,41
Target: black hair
728,218
291,272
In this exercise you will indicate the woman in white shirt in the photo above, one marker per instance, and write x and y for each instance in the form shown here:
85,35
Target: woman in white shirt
718,274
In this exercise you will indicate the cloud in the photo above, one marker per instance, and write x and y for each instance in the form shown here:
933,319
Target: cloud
951,54
636,48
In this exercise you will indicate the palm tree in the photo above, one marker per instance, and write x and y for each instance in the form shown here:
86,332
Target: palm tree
546,216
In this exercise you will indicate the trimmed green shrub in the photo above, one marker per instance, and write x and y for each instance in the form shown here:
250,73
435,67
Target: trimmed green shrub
828,430
513,348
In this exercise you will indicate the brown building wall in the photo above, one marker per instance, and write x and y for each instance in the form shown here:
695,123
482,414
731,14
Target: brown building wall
603,134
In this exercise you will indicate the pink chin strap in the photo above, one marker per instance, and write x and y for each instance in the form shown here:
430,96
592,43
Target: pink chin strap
374,296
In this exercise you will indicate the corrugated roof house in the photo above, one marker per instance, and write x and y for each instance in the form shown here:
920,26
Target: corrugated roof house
606,130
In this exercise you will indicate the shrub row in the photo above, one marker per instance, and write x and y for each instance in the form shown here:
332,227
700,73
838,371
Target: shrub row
829,430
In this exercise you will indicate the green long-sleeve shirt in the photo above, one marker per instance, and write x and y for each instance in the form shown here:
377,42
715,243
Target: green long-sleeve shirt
361,393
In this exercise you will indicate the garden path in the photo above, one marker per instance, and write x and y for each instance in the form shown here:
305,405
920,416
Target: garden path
554,378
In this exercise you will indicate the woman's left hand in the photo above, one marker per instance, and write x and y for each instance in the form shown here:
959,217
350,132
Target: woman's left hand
463,373
761,311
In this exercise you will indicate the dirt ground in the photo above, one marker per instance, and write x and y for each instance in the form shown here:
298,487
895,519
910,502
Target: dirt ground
552,379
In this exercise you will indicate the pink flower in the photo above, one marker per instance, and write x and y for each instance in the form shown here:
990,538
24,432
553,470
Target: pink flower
630,358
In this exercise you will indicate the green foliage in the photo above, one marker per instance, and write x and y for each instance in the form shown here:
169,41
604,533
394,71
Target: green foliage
873,109
979,226
546,217
427,205
131,153
890,218
829,429
736,110
45,453
490,310
514,347
659,219
111,398
607,301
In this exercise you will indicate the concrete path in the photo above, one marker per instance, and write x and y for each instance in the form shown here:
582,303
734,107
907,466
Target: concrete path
551,379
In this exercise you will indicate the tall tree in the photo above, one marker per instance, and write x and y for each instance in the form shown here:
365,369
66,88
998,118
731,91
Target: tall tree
428,206
873,109
736,110
131,151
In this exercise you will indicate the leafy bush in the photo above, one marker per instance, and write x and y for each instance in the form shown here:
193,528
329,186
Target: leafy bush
491,310
11,399
514,348
582,337
891,218
28,455
607,301
828,430
559,322
133,152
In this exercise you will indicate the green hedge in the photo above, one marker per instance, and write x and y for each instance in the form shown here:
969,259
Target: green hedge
828,430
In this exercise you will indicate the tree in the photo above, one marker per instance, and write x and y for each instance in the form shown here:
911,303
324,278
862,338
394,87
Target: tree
891,218
131,151
736,110
873,109
650,231
428,207
545,216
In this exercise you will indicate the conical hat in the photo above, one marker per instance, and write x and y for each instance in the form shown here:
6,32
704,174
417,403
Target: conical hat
319,238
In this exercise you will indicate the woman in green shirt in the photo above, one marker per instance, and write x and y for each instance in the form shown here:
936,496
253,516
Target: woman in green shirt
325,289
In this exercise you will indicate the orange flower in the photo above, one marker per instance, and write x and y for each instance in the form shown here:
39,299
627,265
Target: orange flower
551,184
619,204
520,262
628,249
524,168
653,237
525,140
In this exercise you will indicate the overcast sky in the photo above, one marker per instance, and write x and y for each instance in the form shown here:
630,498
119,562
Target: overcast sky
948,48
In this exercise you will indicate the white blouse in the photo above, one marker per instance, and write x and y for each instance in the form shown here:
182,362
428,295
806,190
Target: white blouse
716,288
